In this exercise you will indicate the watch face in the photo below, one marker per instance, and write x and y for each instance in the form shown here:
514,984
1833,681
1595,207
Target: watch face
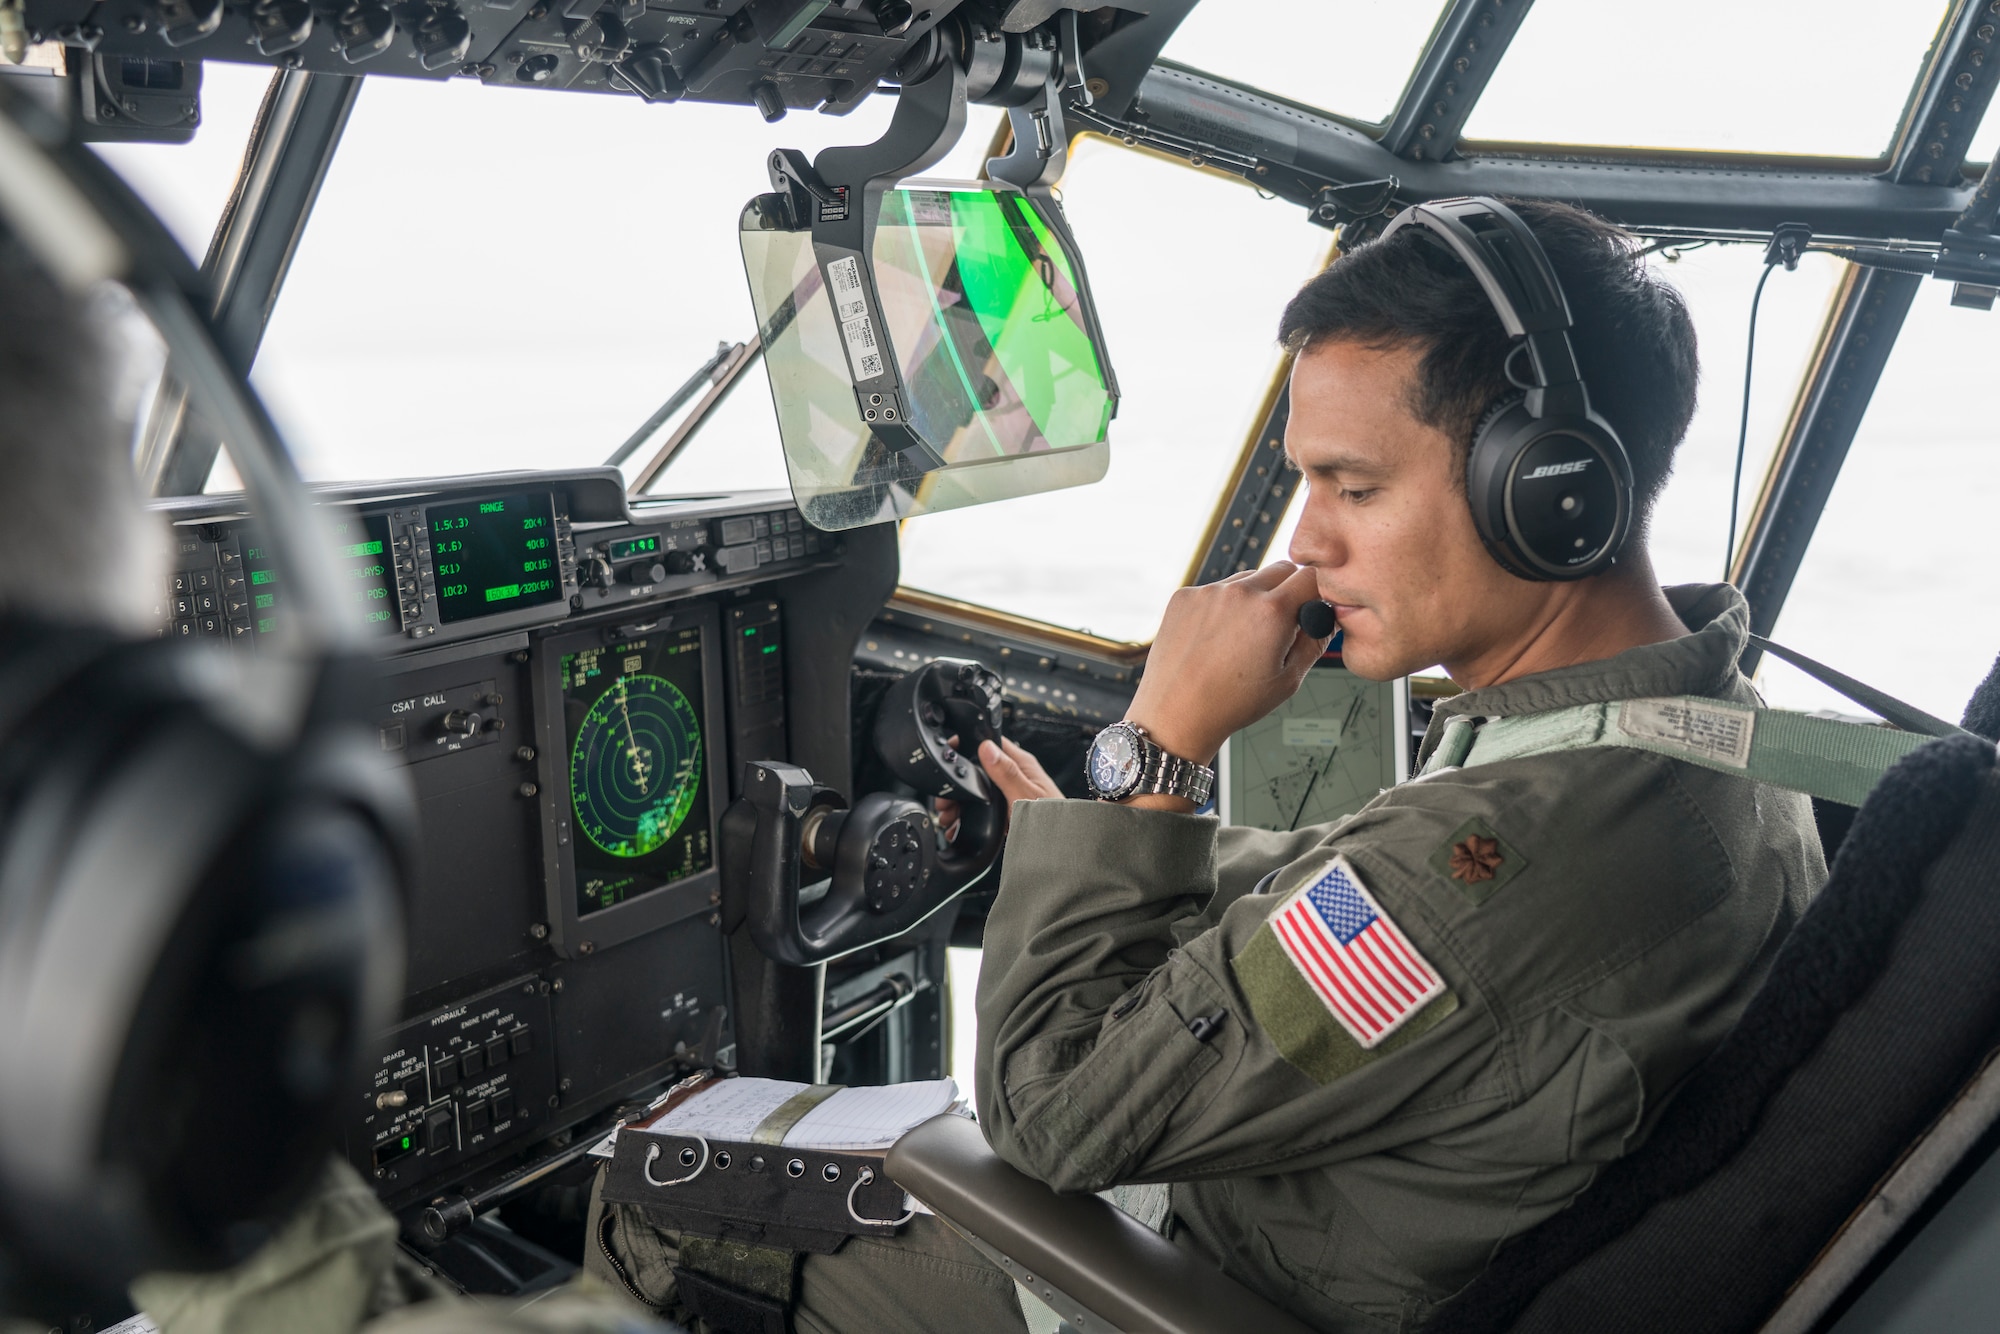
1114,761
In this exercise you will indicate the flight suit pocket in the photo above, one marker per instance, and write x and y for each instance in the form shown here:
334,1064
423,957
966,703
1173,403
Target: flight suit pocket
628,1253
1099,1121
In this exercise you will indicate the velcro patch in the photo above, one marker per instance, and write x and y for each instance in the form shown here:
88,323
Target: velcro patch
1352,957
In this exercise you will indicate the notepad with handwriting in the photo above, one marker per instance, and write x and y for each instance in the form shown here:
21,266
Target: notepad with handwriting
779,1112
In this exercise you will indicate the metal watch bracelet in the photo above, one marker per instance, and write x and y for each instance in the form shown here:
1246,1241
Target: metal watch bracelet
1170,775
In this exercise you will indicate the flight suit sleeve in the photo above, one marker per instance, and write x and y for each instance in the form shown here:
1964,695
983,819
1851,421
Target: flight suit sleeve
1109,1052
1247,860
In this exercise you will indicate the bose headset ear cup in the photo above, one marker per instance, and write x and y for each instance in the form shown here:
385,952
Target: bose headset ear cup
198,853
188,969
1552,500
1483,497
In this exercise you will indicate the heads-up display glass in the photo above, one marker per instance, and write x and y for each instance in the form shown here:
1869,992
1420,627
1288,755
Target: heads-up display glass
987,316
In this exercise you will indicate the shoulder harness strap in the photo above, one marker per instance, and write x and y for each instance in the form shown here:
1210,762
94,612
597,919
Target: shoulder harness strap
1822,757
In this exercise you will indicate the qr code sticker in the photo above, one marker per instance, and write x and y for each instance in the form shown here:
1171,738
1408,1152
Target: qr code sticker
862,350
844,276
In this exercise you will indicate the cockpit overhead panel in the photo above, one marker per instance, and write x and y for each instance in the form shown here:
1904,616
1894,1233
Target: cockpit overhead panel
771,54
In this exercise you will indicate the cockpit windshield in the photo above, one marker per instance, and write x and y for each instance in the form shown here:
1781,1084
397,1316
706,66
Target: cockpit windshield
496,278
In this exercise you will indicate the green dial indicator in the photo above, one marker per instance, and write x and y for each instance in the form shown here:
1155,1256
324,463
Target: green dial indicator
636,765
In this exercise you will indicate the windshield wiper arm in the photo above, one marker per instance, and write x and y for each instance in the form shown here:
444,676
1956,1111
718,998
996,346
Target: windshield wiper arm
710,372
735,359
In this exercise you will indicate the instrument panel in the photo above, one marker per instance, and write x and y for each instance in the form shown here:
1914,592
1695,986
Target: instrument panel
572,683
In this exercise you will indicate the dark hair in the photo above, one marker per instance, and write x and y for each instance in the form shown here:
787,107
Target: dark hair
1634,339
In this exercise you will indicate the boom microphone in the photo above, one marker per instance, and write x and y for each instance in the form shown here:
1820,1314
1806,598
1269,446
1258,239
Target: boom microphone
1316,618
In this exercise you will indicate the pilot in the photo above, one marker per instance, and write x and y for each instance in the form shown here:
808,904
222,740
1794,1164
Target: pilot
1363,1056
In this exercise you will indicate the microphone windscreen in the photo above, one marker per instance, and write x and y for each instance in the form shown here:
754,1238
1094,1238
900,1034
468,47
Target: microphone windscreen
1317,620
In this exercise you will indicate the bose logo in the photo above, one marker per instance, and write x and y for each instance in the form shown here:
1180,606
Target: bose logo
1556,469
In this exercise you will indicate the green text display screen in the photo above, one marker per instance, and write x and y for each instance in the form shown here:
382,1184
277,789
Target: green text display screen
366,578
494,556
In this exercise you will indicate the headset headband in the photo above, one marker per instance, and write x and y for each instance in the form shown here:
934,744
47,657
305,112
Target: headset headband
1513,270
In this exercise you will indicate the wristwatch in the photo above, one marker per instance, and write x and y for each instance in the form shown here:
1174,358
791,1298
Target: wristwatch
1124,763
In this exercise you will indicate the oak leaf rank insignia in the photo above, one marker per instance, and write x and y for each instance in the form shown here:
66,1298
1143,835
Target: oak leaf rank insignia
1474,859
1477,860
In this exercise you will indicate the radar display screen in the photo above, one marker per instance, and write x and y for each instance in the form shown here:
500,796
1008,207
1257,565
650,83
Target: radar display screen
494,555
638,771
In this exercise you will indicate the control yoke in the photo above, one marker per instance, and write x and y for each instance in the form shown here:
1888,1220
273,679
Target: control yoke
815,878
925,728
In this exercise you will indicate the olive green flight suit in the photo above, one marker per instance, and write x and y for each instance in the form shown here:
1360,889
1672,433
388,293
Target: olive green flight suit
1634,906
1597,920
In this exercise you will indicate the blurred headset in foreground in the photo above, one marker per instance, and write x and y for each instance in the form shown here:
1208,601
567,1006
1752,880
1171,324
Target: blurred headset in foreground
201,851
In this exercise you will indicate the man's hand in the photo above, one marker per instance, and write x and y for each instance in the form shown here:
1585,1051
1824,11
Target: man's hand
1015,771
1226,655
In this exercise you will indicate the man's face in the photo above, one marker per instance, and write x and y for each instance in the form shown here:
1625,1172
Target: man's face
1386,525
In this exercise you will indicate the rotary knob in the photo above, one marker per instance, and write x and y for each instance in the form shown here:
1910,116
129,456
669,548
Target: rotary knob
463,722
645,572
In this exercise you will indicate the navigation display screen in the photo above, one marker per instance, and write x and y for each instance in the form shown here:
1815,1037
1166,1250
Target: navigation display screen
638,771
494,555
362,555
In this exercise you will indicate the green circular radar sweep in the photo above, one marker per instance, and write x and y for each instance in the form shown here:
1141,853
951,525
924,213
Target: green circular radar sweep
635,766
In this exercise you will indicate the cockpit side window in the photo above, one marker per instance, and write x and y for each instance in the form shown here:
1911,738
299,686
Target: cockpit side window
188,185
1707,81
1899,577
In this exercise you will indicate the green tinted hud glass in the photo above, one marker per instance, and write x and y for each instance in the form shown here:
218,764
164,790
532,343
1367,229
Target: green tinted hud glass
987,323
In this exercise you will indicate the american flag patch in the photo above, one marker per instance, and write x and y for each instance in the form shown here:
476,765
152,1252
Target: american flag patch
1360,966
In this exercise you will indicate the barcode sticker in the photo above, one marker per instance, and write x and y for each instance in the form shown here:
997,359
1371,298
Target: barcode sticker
857,331
843,278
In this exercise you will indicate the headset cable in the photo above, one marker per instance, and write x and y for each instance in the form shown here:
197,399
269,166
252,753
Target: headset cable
1788,242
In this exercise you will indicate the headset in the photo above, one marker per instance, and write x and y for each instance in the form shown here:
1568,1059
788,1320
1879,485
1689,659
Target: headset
1549,482
202,851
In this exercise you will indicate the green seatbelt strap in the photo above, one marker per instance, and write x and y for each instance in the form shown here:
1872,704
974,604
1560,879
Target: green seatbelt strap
1818,756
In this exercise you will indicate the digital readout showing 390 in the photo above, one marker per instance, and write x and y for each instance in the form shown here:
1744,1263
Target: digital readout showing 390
494,556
